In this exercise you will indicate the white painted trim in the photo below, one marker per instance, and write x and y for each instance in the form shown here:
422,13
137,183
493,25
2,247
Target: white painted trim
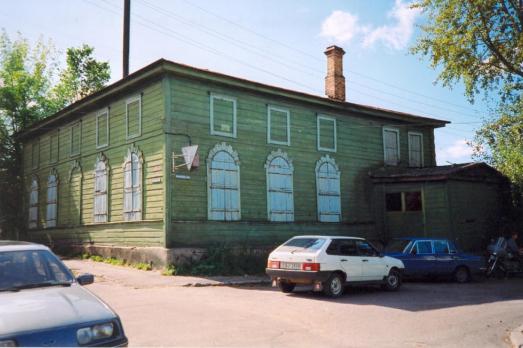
127,102
421,145
318,135
319,163
71,153
397,131
213,96
227,148
270,158
287,112
98,115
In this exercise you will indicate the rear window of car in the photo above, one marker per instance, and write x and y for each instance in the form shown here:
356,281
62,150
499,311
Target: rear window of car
305,243
441,247
397,246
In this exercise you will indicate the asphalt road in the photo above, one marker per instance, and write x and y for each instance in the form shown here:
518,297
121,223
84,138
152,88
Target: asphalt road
422,314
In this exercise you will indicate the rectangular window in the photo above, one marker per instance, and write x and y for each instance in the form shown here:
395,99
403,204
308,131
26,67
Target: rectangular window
278,126
415,149
326,132
102,129
403,201
35,154
53,147
223,116
133,117
76,138
391,146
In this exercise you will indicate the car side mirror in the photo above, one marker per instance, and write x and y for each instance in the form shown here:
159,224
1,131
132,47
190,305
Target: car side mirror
85,279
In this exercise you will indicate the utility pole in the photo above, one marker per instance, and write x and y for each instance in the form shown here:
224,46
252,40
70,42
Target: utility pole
126,25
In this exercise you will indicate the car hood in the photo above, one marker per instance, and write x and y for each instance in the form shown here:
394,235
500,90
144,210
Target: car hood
393,262
43,308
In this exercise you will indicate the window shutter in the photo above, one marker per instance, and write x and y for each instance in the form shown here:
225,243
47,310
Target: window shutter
224,188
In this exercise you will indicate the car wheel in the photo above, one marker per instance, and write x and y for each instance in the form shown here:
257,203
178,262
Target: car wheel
334,286
392,281
462,275
286,287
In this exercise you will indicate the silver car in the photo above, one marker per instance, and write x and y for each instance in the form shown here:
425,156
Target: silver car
42,304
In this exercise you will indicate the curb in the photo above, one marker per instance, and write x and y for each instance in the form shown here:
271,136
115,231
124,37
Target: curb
229,283
516,337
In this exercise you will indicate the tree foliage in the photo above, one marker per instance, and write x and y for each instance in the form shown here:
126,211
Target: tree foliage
479,42
32,87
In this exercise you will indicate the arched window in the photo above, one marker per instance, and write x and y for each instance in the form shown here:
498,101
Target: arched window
52,199
280,200
132,206
33,203
100,189
328,190
223,174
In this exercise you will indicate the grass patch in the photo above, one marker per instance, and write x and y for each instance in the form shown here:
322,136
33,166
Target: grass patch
170,270
116,262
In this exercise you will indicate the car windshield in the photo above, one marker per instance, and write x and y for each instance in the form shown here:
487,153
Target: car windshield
26,269
302,244
397,246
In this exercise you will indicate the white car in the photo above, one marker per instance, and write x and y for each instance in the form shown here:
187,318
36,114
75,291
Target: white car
329,263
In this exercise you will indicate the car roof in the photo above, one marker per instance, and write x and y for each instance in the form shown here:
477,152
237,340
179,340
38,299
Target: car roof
14,245
330,237
420,238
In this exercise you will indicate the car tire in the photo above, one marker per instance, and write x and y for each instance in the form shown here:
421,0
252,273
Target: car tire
286,287
392,281
462,275
334,286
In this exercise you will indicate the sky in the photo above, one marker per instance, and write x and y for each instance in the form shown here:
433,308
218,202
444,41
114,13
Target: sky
276,42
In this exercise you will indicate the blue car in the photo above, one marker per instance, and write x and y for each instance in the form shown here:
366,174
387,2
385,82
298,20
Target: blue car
434,257
43,305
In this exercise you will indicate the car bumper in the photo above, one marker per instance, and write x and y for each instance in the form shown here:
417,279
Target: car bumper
298,277
121,342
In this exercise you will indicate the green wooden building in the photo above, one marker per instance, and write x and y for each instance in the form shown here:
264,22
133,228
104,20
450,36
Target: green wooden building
271,163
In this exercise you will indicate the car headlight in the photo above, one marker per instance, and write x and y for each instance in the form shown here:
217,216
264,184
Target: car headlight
8,343
94,333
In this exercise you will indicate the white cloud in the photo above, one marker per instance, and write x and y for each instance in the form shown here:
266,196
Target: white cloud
344,26
458,151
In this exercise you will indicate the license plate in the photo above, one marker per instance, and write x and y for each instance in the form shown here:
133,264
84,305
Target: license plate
290,265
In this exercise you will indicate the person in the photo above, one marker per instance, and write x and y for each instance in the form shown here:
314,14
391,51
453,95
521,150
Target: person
512,245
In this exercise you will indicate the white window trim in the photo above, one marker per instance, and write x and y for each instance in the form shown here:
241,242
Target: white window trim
227,148
421,145
397,131
71,154
211,110
127,102
98,115
33,224
321,161
101,157
318,135
273,155
128,158
287,112
57,134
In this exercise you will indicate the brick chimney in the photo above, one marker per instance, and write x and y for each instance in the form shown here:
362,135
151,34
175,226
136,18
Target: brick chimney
334,81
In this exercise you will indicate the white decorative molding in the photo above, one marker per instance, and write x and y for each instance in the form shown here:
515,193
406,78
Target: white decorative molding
327,159
223,147
279,153
54,173
132,149
75,165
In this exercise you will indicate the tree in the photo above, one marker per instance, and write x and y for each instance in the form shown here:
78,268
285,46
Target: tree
27,95
479,42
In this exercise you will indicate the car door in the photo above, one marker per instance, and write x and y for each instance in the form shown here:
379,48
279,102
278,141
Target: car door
446,262
342,254
420,261
373,267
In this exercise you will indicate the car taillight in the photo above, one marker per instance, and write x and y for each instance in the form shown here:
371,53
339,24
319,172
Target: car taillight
310,266
273,264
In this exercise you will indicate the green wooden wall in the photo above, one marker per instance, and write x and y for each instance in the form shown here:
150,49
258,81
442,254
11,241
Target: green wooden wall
359,149
76,175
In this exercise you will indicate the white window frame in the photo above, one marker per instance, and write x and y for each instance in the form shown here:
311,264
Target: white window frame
127,102
397,131
213,96
272,156
133,214
52,222
318,135
71,153
422,163
104,112
214,151
103,159
319,164
33,204
287,112
57,135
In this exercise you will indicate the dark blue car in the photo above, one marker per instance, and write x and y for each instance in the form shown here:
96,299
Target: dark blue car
434,257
